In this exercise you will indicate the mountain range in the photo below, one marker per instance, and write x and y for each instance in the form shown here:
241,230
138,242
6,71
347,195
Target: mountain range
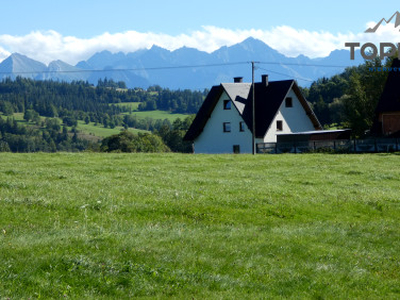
184,68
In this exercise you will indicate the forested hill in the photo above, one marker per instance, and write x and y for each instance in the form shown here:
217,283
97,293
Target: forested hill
80,99
52,111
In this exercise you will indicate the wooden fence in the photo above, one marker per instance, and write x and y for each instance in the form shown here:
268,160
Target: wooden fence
339,146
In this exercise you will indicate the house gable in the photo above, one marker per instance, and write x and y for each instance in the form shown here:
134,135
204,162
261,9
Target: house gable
225,130
291,117
271,99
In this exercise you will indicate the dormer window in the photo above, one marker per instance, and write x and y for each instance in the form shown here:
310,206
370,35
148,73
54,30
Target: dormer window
227,104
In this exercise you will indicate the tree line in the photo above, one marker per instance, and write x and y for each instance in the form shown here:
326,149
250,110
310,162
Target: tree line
349,99
180,101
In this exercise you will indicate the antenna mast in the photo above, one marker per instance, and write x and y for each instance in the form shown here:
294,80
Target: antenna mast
253,109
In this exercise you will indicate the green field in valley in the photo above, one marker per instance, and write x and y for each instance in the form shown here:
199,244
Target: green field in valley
115,226
101,132
152,114
89,131
93,131
132,105
159,114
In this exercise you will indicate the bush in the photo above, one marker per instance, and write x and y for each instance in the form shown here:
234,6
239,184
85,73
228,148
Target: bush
130,142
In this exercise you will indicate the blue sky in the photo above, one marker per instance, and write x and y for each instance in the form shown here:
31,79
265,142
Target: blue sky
86,18
72,30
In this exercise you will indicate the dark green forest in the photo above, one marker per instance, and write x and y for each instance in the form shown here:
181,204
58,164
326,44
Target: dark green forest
52,109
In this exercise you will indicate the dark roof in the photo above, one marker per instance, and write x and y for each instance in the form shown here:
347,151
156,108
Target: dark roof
268,99
318,135
390,98
204,113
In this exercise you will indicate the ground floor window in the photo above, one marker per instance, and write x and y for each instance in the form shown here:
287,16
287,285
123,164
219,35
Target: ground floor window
236,149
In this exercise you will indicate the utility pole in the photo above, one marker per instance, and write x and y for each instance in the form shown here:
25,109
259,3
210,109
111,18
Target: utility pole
253,109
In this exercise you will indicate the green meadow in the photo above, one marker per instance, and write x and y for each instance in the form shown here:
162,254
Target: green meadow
94,132
152,114
99,131
128,105
156,226
159,115
89,131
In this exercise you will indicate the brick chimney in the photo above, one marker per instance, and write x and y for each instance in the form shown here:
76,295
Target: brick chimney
238,79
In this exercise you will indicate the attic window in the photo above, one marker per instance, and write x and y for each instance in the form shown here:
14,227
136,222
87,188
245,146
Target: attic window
289,102
279,125
241,126
227,126
227,104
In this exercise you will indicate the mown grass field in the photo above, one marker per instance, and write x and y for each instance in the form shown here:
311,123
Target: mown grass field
112,226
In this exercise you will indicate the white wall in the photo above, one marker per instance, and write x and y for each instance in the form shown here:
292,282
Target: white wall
294,119
214,140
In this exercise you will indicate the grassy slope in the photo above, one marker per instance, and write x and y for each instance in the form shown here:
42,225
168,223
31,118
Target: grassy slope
159,114
153,114
89,131
171,225
133,105
100,131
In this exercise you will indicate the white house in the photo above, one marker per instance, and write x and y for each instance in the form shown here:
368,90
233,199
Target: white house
224,121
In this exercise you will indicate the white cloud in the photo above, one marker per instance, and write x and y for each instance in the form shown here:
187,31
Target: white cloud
46,46
3,54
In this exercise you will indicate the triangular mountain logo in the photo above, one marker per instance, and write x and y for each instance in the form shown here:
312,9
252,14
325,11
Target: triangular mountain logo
396,16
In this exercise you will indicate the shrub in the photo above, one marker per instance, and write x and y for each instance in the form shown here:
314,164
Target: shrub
130,142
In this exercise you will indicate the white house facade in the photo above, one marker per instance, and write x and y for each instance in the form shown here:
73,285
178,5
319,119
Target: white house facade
225,131
290,118
224,122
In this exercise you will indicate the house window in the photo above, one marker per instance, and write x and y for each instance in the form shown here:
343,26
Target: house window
236,149
289,102
279,125
241,126
227,126
227,104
